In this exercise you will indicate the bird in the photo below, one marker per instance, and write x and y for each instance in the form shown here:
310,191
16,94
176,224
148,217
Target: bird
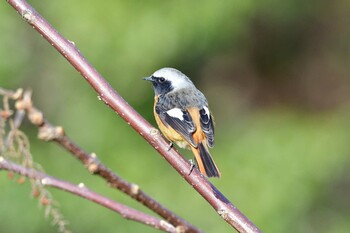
183,116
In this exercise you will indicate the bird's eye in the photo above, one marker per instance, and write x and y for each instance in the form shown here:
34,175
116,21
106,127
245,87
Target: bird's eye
161,80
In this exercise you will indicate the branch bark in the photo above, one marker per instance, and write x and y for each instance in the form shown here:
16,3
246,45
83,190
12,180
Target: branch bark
110,97
82,191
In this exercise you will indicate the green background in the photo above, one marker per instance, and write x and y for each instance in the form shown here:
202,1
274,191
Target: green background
276,74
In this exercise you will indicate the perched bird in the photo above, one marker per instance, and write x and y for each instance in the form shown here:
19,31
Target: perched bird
183,116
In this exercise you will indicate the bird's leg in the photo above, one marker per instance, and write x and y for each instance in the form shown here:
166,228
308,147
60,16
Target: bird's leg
171,144
193,165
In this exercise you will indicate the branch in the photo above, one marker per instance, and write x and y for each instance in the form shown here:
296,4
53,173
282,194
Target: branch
82,191
110,97
48,132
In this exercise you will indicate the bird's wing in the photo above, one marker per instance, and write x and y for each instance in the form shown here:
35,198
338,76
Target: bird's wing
180,121
207,125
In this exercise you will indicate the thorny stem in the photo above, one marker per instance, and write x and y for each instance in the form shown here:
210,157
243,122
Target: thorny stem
82,191
106,93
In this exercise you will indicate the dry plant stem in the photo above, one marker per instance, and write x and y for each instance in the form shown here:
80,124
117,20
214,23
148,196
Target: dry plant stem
106,93
82,191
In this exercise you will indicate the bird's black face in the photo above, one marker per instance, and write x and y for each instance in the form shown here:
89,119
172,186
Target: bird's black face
160,85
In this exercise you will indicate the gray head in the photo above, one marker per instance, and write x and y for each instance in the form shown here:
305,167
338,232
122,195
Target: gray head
166,80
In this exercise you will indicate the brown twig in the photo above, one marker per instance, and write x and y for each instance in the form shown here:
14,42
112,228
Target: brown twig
48,132
82,191
106,93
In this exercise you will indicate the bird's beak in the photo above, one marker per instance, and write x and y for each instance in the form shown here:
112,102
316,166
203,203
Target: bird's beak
148,78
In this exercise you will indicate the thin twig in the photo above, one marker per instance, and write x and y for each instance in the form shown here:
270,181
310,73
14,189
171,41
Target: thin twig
106,93
82,191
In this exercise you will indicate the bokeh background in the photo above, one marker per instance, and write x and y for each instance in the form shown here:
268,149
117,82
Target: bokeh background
276,74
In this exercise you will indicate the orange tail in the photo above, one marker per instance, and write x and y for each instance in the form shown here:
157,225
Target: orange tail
205,163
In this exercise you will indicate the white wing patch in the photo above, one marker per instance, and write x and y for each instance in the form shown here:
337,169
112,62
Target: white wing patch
176,112
207,111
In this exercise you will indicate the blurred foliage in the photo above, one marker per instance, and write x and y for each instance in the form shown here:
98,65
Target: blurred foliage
275,72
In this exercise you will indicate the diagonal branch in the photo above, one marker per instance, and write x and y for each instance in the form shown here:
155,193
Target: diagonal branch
106,93
82,191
